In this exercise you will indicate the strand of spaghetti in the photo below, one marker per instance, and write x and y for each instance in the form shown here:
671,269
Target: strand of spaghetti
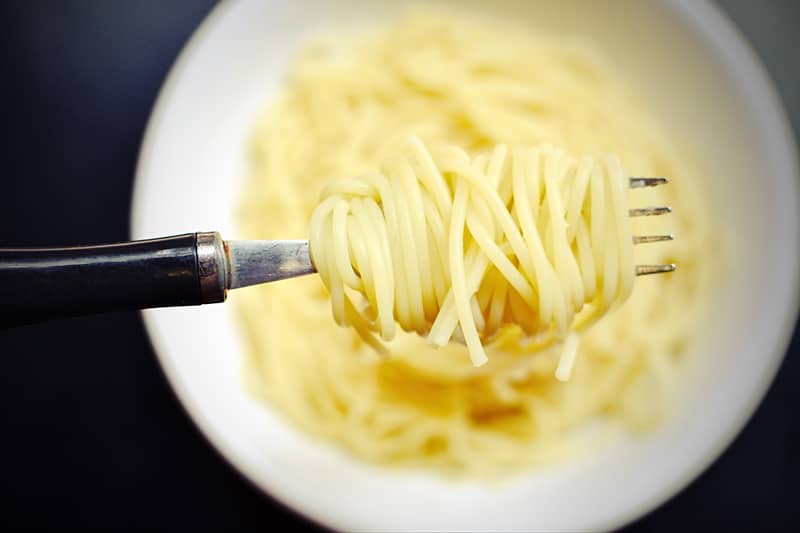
447,320
527,212
412,192
458,276
619,201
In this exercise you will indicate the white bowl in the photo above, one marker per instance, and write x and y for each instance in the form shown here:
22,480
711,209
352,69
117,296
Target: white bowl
707,86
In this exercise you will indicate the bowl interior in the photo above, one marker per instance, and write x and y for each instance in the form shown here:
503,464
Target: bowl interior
703,82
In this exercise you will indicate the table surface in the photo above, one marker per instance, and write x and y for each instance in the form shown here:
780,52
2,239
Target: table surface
92,435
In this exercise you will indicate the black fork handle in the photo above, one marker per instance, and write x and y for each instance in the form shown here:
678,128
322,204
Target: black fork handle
38,284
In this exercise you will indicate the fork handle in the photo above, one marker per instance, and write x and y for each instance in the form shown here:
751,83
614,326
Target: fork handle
38,284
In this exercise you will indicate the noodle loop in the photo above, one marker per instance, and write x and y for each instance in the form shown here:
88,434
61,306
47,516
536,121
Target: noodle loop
450,245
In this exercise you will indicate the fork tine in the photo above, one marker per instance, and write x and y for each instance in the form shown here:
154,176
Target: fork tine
643,239
639,182
649,211
644,270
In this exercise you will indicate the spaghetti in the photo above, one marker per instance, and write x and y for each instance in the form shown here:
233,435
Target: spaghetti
350,103
445,241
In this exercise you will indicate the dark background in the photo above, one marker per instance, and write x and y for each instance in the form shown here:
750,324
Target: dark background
90,432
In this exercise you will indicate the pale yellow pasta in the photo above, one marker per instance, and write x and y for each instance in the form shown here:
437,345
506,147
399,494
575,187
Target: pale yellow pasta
348,107
448,244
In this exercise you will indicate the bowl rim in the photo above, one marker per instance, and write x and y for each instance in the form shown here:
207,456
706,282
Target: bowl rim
719,33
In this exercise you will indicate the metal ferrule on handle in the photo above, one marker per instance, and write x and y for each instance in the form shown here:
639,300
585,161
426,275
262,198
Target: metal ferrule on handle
212,267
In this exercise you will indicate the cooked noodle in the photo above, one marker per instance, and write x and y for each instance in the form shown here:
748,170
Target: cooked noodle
350,102
446,241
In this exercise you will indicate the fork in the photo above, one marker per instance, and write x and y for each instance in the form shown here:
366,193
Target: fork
38,284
